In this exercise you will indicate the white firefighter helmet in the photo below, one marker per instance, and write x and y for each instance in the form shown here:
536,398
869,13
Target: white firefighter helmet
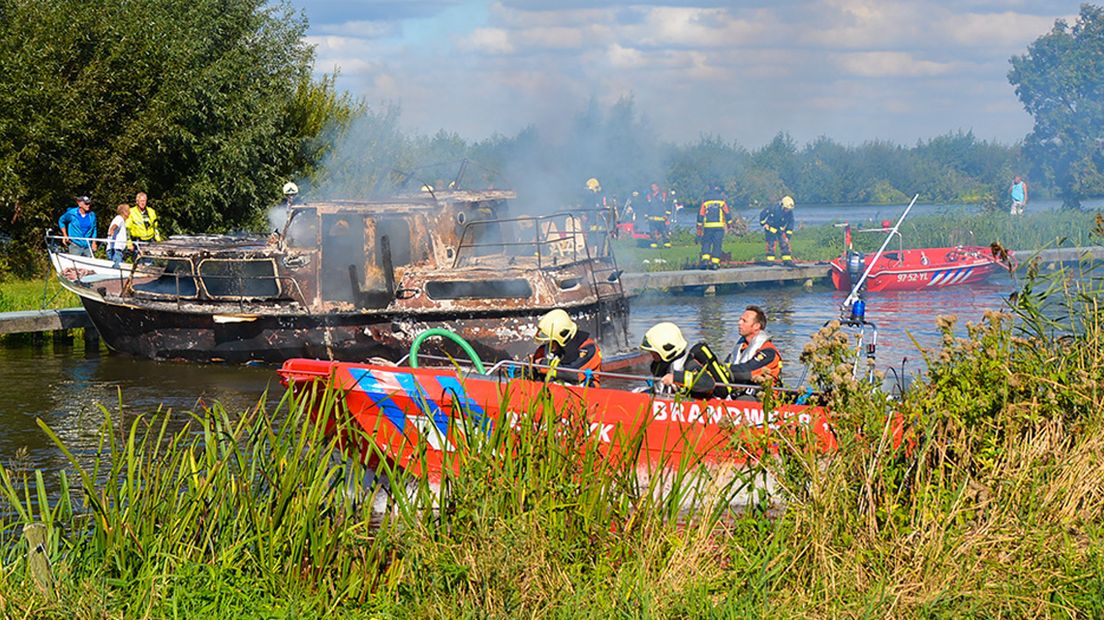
290,189
556,326
664,339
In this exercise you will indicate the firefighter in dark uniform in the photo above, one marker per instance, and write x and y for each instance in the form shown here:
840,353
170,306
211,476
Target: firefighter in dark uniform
599,221
713,217
754,357
691,371
658,212
778,225
564,347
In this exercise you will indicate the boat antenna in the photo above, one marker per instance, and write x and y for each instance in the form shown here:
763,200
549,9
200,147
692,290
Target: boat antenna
460,174
853,296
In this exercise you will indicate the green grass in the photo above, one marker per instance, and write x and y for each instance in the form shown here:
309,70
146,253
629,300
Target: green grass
31,294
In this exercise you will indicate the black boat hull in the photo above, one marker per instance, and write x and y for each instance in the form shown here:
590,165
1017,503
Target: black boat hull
166,335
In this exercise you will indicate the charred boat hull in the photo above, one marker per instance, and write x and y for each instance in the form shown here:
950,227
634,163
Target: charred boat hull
173,335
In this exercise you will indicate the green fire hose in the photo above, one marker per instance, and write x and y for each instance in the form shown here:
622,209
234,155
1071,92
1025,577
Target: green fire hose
444,333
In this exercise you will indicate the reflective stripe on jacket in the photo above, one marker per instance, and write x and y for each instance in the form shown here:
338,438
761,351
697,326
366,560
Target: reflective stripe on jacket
713,214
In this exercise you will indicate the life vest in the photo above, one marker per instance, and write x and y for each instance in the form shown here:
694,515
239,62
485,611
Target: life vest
571,357
745,353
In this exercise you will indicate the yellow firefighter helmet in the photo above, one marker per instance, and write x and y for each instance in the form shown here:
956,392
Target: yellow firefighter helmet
664,339
556,326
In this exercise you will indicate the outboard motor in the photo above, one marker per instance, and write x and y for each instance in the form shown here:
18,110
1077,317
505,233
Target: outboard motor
855,265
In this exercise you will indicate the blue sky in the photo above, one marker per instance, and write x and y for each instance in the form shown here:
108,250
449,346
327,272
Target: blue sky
852,70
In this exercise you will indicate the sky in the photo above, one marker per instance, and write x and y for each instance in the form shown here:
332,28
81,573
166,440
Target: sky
852,70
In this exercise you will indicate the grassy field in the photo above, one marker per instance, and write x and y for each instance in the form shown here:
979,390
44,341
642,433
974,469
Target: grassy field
991,509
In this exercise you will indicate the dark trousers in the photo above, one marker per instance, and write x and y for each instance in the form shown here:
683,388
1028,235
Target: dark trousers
712,241
657,229
783,241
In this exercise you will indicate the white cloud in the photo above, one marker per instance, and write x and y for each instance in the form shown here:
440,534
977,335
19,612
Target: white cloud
361,29
1011,30
488,41
625,57
555,37
890,64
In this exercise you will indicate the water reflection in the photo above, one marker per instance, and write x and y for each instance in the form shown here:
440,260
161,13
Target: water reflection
66,385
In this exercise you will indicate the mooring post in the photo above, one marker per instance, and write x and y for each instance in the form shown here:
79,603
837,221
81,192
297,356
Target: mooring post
37,560
91,339
62,337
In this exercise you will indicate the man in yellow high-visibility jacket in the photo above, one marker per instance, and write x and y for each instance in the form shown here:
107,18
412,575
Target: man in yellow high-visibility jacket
142,223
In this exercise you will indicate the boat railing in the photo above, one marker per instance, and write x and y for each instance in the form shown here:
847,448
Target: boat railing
146,267
510,369
581,231
892,233
181,295
517,369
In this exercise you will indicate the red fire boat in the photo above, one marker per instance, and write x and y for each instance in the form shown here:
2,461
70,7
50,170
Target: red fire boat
914,270
420,419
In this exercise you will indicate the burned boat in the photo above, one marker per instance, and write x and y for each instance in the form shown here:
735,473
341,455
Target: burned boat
354,280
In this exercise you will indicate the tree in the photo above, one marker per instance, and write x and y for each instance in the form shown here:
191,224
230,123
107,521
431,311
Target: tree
207,105
1060,81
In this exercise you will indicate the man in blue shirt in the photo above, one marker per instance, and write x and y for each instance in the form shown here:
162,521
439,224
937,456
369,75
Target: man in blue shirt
78,228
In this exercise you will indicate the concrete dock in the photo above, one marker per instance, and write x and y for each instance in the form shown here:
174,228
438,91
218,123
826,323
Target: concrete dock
32,321
801,273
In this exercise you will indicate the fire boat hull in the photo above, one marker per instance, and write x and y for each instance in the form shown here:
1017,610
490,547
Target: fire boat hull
416,419
920,270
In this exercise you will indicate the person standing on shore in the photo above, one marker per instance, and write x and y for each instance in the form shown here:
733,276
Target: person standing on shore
713,218
1018,193
778,227
78,228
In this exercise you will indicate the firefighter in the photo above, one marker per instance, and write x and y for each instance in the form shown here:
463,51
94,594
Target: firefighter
658,212
690,371
778,225
713,218
565,347
754,357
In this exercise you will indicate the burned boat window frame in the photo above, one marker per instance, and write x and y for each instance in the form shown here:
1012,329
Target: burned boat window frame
274,277
177,292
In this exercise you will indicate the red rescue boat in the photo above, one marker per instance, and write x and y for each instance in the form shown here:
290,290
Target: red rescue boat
914,270
417,417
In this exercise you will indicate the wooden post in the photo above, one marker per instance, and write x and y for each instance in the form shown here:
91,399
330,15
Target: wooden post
37,560
62,337
91,339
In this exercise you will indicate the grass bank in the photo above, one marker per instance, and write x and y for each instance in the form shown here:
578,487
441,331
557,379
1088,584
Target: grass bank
32,294
817,243
993,510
